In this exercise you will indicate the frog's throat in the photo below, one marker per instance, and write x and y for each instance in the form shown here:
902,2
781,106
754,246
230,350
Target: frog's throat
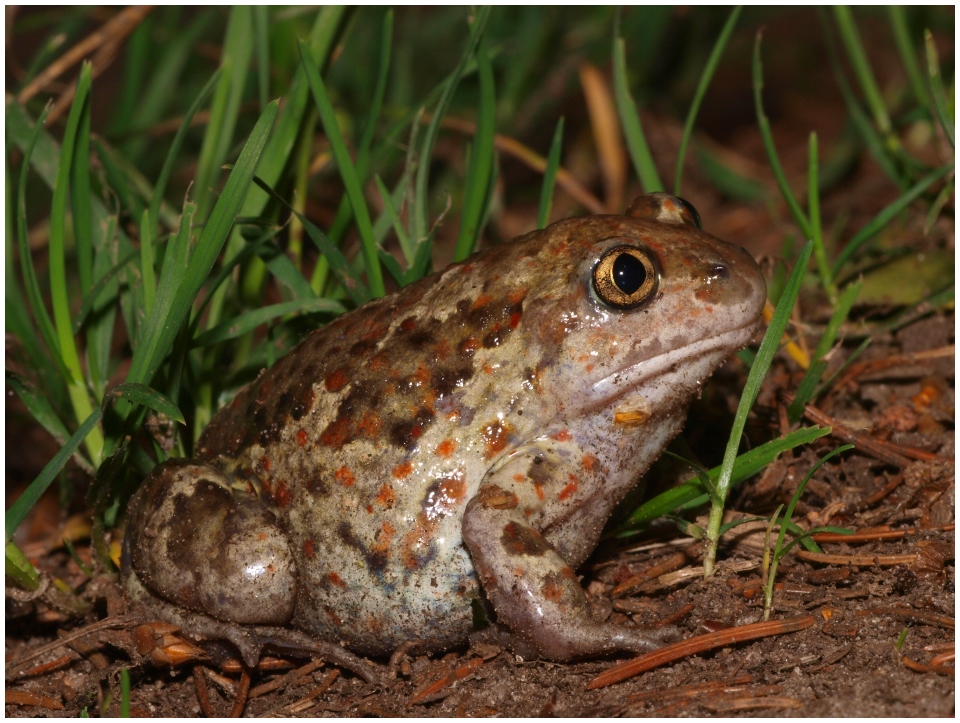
634,374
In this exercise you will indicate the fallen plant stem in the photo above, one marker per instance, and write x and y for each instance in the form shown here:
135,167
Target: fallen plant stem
913,616
698,644
203,698
530,158
674,562
286,679
678,615
243,692
868,535
112,31
105,624
753,703
688,691
25,697
921,668
459,674
858,560
858,370
888,452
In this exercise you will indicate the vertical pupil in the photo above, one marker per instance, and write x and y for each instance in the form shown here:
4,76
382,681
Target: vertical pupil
628,273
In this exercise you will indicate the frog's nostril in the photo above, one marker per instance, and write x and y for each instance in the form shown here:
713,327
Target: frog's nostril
718,271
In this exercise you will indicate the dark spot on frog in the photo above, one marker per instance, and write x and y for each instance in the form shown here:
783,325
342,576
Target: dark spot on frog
522,540
208,502
420,338
540,471
407,433
303,404
444,381
494,338
343,429
362,348
376,559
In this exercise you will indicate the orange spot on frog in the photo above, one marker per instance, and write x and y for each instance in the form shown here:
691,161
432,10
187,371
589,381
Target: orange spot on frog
345,477
495,434
387,496
446,448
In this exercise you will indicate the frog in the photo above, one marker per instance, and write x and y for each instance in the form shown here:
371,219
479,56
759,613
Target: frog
452,448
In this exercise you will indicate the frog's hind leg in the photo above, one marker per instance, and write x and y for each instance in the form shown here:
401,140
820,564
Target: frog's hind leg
198,542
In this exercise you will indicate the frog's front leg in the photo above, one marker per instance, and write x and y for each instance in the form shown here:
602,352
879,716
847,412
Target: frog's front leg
533,589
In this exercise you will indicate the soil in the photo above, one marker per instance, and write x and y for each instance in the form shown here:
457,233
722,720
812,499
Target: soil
878,618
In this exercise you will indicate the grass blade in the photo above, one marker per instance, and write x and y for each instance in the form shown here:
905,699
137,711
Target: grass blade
339,265
426,150
701,91
80,199
66,342
476,190
348,172
908,54
101,326
142,394
97,290
813,206
163,85
936,88
147,260
768,348
342,219
41,411
866,131
25,502
225,108
34,296
395,220
691,494
805,391
630,120
161,185
550,176
250,320
767,134
166,320
861,68
261,34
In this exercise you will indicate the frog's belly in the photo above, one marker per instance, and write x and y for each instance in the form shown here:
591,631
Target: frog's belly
373,586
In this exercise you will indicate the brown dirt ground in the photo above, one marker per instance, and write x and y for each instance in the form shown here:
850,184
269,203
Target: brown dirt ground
847,663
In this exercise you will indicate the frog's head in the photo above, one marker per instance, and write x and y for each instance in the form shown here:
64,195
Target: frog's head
649,307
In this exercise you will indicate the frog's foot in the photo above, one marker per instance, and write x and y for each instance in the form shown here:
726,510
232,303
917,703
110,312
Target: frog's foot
251,640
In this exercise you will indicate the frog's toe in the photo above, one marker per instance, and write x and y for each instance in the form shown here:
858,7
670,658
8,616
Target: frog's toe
207,547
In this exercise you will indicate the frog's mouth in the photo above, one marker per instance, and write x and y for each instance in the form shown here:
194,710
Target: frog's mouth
686,366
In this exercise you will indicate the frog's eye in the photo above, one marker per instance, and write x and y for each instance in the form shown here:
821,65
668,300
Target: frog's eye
625,277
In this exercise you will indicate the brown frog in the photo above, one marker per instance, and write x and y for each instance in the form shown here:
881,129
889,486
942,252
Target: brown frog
463,440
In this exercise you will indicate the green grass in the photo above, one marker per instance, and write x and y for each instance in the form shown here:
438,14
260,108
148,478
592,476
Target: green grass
176,264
